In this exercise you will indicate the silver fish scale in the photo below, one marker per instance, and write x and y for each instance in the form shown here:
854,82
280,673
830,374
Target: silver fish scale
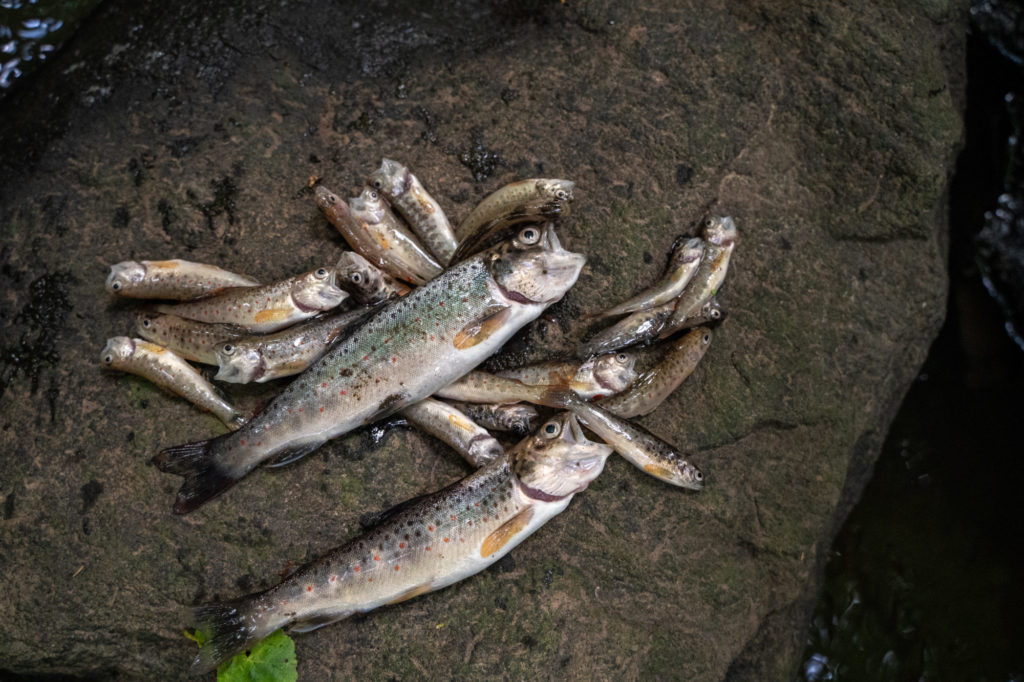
351,384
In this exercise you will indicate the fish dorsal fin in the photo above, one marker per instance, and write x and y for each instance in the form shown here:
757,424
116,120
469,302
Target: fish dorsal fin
508,530
482,328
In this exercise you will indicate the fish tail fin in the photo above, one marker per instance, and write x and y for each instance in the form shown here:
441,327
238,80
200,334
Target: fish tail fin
225,630
203,479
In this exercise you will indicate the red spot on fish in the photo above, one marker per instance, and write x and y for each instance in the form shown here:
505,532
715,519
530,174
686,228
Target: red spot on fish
300,409
243,442
441,304
343,393
428,549
430,528
476,504
376,557
356,569
323,385
401,545
366,357
369,580
431,337
394,359
321,409
283,602
387,339
397,567
453,517
469,523
446,539
259,443
417,319
309,588
334,578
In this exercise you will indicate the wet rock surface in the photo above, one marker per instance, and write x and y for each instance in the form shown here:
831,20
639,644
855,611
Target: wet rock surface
196,132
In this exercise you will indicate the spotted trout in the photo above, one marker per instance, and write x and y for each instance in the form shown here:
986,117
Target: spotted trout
420,546
420,210
179,280
409,349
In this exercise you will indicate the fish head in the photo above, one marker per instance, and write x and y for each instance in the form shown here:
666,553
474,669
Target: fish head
679,472
333,206
532,266
485,449
146,323
123,274
392,179
690,251
519,418
318,290
555,189
357,275
239,364
615,371
720,231
557,460
367,206
117,350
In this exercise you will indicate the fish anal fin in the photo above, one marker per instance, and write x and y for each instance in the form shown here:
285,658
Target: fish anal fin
314,622
290,455
412,592
508,530
482,328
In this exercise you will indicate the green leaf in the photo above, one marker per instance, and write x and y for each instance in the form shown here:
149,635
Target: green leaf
271,660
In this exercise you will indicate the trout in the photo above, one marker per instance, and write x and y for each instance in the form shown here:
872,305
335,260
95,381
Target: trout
409,349
685,259
598,377
367,283
178,280
408,258
169,372
267,308
517,418
420,210
720,238
196,341
451,426
420,546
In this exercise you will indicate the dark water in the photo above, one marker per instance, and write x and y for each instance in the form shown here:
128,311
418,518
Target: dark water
926,579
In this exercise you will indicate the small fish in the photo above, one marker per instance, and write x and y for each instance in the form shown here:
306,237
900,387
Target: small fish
178,280
598,377
684,262
420,546
339,214
409,349
654,385
484,387
267,308
720,238
170,372
639,446
420,210
406,256
517,418
367,283
451,426
635,328
261,358
196,341
527,201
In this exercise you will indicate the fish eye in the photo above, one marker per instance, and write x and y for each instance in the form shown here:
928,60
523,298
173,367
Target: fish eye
108,359
561,195
715,314
529,236
356,278
621,357
707,338
116,286
331,198
374,195
710,222
321,273
145,323
551,429
378,184
698,475
228,349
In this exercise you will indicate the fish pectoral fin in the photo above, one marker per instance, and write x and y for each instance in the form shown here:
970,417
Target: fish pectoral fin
290,455
505,532
482,328
413,592
310,624
272,315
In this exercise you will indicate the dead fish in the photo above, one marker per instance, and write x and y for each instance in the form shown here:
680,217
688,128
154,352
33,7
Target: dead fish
420,546
451,426
527,201
720,238
178,280
484,387
654,385
339,214
267,308
420,210
639,446
196,341
408,259
684,262
408,350
367,283
517,418
599,377
635,328
261,358
170,372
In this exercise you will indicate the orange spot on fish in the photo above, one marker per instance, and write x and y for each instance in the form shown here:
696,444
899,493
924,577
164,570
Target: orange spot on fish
430,528
397,567
321,409
446,539
376,557
309,588
428,549
343,393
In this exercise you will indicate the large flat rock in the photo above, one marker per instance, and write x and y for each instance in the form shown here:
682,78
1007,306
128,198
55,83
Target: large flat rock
194,131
